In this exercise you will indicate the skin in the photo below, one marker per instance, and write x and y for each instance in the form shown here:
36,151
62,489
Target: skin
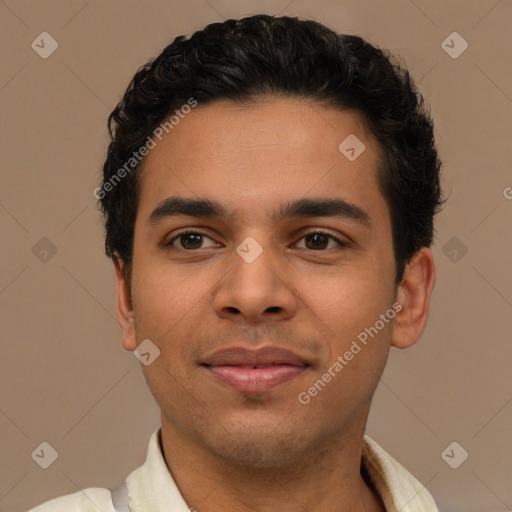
229,450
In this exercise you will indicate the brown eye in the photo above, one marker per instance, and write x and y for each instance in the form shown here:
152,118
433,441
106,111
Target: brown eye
189,241
318,241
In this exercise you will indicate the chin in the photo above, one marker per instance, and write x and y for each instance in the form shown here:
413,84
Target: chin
260,446
257,452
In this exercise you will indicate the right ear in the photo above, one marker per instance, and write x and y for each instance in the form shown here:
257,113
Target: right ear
124,307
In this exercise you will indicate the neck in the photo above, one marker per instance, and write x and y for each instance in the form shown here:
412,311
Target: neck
327,479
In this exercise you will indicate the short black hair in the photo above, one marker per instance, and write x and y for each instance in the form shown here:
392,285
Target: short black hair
263,56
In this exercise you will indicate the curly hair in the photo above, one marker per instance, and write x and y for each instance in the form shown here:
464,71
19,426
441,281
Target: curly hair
263,56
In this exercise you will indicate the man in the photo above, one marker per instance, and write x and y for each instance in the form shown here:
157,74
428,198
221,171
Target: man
269,195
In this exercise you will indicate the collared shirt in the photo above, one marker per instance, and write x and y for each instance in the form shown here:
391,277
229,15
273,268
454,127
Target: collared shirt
152,488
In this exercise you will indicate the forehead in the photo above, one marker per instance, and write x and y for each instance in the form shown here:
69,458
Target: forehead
248,156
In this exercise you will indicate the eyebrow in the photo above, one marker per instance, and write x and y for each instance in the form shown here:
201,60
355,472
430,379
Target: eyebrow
209,208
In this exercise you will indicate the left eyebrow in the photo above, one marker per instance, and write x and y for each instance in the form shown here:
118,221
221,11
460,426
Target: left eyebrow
209,208
328,207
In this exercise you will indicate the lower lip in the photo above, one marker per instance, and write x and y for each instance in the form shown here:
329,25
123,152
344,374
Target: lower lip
255,380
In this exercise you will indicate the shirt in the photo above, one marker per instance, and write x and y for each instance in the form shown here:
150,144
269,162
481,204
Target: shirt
152,488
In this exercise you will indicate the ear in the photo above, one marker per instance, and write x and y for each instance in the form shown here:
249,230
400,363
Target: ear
124,307
414,296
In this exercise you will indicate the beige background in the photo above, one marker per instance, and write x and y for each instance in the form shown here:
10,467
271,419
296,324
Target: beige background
66,379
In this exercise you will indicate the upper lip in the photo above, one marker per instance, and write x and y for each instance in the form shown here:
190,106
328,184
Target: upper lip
269,355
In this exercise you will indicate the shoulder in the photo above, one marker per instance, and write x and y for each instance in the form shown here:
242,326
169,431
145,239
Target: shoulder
85,500
96,499
399,489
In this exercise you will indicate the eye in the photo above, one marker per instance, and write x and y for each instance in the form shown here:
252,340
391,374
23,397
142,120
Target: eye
189,240
319,240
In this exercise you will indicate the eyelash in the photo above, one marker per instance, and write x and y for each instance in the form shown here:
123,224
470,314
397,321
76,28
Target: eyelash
169,244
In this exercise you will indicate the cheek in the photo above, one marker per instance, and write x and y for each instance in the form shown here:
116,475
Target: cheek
348,299
346,310
167,310
165,300
347,313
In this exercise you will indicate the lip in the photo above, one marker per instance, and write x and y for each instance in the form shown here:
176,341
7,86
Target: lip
254,371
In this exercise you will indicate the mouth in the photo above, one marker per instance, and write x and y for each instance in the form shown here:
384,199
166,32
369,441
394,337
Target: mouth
255,371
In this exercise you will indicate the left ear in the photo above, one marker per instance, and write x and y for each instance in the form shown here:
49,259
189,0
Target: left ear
414,296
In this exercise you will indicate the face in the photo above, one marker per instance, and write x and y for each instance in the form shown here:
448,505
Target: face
251,268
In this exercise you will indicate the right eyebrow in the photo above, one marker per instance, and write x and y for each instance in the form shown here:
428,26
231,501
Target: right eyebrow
174,206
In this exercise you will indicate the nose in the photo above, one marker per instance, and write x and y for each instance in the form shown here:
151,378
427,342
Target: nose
255,292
